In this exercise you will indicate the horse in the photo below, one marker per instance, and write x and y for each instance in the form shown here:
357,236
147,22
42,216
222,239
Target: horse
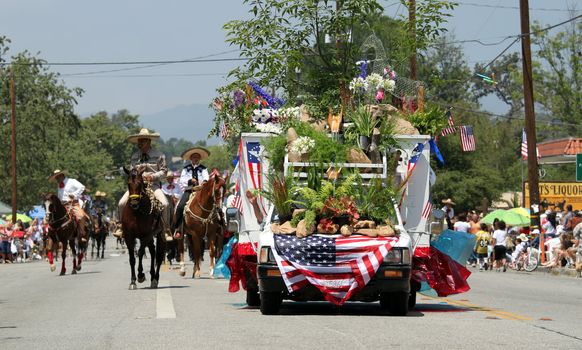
99,234
141,220
64,229
202,217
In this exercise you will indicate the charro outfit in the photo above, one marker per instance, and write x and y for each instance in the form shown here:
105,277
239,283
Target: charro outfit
69,193
191,176
154,163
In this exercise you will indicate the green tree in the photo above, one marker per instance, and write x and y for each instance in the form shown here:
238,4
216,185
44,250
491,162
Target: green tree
45,120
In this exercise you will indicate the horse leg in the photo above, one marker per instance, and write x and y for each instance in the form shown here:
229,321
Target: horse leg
211,254
141,251
152,249
49,253
74,256
63,257
103,240
130,246
195,244
79,257
160,251
180,251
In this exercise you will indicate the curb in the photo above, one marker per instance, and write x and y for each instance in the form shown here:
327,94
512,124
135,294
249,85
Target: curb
560,271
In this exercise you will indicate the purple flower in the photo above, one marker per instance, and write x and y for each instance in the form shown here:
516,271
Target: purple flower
239,98
273,102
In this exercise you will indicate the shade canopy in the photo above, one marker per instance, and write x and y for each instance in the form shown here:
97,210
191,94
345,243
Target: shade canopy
509,217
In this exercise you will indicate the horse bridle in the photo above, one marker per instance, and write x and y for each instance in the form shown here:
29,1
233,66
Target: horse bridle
211,212
53,222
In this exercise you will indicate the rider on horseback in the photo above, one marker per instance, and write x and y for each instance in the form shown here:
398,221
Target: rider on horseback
193,175
69,192
154,162
99,207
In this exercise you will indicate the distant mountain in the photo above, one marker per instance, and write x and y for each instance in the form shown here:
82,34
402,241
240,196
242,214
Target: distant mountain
192,123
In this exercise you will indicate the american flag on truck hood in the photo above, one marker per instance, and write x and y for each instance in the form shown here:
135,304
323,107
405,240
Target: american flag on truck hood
338,267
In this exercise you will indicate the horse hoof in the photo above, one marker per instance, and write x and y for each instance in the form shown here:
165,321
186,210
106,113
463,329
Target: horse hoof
62,272
74,272
78,268
141,279
53,268
182,273
154,284
132,286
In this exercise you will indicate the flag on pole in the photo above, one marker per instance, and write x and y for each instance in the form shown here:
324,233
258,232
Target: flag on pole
524,146
416,153
467,138
427,210
254,169
224,130
451,129
338,267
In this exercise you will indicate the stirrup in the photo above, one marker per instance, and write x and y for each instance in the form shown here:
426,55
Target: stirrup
169,237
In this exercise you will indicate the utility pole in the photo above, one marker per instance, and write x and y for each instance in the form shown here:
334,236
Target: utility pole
13,141
412,27
530,120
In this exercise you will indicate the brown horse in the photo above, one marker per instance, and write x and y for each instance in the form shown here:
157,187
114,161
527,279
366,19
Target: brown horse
63,228
202,218
140,220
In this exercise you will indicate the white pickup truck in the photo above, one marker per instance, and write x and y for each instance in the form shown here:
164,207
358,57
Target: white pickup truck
391,284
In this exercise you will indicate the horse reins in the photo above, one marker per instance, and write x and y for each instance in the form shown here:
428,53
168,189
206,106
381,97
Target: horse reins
212,211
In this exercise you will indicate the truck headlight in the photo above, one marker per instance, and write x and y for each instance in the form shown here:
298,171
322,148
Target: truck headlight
398,256
266,256
394,256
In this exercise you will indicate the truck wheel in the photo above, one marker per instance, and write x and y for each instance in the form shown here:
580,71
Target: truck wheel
395,302
412,300
253,298
271,302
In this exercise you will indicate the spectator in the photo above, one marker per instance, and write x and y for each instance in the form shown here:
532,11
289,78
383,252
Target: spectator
449,212
462,225
482,246
549,228
499,249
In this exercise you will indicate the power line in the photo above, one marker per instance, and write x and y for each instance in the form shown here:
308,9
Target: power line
111,63
509,7
144,75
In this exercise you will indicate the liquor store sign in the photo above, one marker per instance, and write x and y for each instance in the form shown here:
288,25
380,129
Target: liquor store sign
554,192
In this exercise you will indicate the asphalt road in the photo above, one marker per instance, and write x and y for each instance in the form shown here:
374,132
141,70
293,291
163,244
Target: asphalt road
95,310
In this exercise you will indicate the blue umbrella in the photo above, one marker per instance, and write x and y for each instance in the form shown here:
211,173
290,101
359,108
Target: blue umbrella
37,212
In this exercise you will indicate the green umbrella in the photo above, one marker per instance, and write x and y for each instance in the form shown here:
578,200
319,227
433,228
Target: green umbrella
510,218
20,217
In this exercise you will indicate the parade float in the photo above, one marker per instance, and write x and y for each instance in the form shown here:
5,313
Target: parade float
359,177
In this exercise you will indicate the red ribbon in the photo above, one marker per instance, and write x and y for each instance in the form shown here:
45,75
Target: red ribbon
62,184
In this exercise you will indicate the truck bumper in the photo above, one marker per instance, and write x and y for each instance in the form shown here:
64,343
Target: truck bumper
388,278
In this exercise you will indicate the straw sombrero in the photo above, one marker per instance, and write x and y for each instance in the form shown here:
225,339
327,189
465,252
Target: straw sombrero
448,201
56,173
143,134
203,152
100,194
170,173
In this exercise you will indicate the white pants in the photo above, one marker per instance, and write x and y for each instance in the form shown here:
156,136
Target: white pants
159,196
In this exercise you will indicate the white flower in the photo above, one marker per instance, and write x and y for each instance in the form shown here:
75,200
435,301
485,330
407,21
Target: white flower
289,113
358,83
302,145
269,128
388,85
263,115
375,80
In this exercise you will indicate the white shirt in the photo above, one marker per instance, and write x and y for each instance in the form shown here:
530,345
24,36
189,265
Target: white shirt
73,188
190,171
461,226
500,236
175,192
451,213
518,249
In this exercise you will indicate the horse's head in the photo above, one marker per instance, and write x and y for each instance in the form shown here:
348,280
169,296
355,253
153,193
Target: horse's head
135,185
51,205
216,186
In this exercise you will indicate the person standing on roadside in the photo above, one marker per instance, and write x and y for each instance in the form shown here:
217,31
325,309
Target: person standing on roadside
499,248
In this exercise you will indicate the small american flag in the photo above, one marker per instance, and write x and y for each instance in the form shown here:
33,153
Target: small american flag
237,203
451,129
467,138
416,153
338,267
524,146
426,211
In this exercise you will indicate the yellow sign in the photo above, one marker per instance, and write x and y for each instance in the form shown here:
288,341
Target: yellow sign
557,192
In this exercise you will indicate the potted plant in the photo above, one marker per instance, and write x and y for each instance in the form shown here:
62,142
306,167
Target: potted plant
363,125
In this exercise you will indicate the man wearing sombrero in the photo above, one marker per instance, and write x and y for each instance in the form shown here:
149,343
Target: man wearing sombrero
449,211
69,193
99,205
192,176
154,163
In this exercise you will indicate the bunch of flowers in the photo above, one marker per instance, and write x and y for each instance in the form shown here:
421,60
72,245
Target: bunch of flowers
269,128
285,114
374,84
302,145
264,115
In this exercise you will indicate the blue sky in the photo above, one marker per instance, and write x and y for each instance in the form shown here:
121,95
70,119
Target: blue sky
145,30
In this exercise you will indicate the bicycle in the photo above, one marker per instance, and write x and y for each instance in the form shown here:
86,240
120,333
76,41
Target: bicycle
528,260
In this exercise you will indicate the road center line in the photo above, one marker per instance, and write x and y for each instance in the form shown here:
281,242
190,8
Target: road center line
164,303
